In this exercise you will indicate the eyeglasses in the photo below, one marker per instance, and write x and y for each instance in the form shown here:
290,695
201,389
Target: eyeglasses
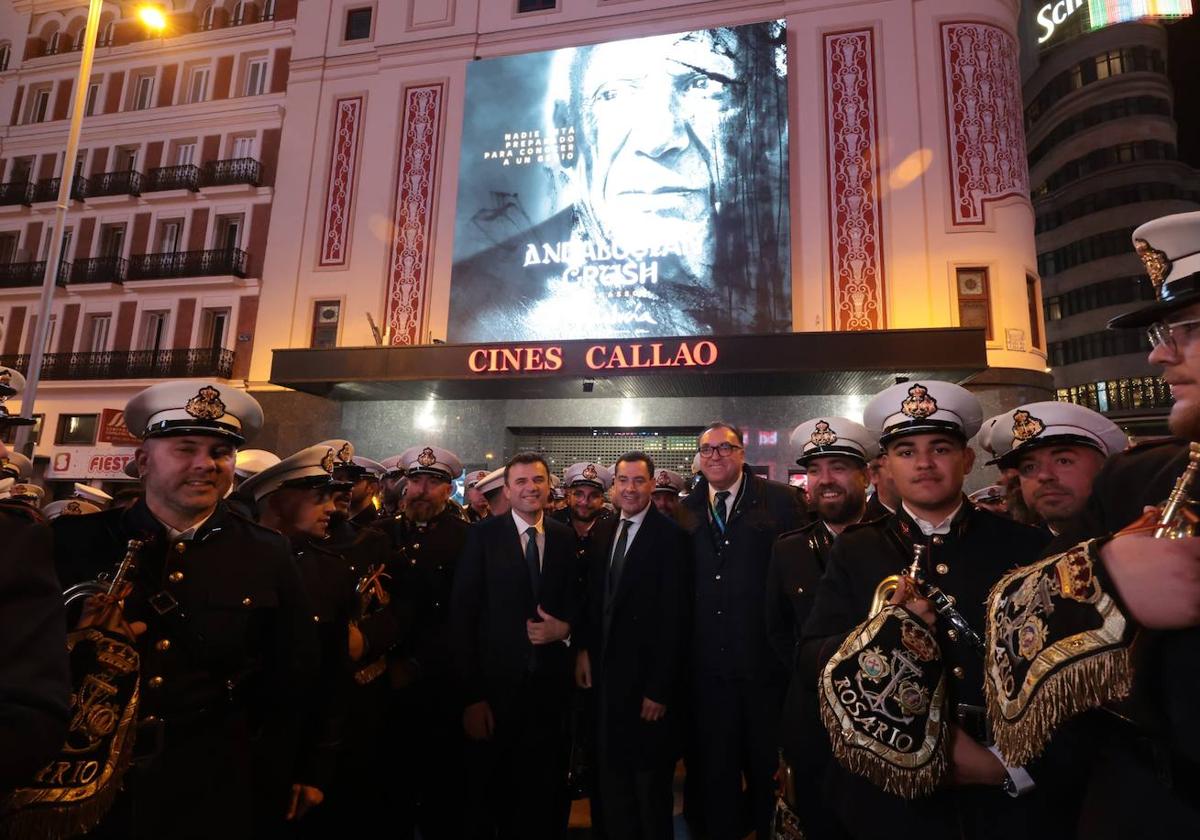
1165,335
722,450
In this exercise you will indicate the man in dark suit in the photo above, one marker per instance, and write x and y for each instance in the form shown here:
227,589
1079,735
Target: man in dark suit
514,601
631,651
738,682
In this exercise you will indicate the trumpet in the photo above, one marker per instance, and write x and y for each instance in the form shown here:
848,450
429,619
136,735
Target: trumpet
1177,519
105,584
943,604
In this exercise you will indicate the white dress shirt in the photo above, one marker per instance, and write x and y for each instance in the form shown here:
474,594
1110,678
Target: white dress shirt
635,522
928,528
733,490
523,526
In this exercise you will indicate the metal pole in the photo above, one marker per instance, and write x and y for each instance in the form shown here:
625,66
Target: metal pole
24,441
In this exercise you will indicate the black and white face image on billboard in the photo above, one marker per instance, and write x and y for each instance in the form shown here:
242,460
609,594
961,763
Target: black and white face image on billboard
632,188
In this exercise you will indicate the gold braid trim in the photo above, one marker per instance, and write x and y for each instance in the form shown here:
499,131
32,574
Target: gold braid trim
1088,670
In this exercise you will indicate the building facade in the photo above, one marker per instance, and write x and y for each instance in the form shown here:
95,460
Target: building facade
907,195
1103,159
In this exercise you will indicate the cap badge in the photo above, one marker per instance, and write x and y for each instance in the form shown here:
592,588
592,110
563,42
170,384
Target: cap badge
823,435
346,452
5,376
1158,265
663,479
426,458
589,472
327,461
5,463
919,404
73,507
1026,426
206,405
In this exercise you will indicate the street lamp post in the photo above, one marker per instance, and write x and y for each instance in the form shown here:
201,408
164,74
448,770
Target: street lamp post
33,375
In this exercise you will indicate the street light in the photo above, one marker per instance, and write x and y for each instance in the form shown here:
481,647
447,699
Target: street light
154,18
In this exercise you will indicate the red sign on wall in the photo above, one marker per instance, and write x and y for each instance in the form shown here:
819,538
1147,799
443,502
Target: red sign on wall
113,429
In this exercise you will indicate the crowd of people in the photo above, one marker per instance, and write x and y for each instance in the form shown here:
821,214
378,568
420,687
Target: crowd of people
323,644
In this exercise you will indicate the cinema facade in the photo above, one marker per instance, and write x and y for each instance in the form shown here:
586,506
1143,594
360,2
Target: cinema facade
440,267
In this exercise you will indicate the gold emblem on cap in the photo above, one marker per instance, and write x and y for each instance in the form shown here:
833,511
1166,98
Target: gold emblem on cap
919,404
1026,426
206,405
426,458
73,507
5,376
327,461
346,452
663,479
1158,265
589,472
5,463
822,435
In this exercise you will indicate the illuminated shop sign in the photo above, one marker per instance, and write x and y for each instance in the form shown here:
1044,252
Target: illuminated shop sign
627,189
600,357
1090,15
1053,15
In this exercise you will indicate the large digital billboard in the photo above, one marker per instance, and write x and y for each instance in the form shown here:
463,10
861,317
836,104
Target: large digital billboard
626,189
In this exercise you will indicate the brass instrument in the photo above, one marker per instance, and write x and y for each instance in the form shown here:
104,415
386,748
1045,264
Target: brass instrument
1177,519
888,586
372,597
943,604
104,585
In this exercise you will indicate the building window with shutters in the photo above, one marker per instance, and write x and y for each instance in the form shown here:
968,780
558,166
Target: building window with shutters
77,429
5,55
256,77
974,300
143,93
96,335
327,315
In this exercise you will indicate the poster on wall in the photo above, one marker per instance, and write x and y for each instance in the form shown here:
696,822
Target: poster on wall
625,189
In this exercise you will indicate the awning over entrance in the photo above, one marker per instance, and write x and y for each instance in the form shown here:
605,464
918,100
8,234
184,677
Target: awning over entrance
789,363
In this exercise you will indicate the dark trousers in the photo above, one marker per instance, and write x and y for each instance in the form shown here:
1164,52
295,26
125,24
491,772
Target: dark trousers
430,746
516,781
735,739
630,801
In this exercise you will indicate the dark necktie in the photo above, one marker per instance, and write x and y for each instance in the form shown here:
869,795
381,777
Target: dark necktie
618,559
531,559
719,512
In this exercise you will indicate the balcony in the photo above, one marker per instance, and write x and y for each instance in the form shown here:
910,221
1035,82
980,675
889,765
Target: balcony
132,364
16,192
98,270
188,264
19,275
173,178
128,182
232,172
47,189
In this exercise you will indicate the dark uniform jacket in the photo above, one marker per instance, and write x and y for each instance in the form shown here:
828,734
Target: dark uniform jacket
729,629
964,564
35,684
364,548
1154,758
494,596
229,648
636,637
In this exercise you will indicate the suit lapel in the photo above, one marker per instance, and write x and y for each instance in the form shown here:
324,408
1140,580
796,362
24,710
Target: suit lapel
517,554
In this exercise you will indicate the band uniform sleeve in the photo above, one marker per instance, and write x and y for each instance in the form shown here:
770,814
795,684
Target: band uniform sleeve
466,606
834,614
35,684
779,613
386,628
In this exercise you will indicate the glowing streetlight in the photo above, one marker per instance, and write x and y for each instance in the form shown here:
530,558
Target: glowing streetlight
153,17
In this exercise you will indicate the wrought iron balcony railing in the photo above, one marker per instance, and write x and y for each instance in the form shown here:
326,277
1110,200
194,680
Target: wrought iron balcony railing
185,177
131,364
47,189
98,270
224,173
188,264
16,275
128,182
16,192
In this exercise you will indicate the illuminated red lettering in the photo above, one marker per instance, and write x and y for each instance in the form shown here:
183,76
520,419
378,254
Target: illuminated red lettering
617,359
683,358
477,361
590,357
533,358
553,358
709,350
511,359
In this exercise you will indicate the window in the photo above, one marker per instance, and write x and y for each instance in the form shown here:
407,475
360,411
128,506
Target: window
229,232
22,168
243,147
534,5
168,236
208,20
243,13
185,155
268,12
214,325
126,158
77,44
326,316
107,33
5,55
974,307
256,77
358,24
97,333
8,248
154,331
1054,308
197,90
39,105
92,95
77,429
1035,317
50,331
112,240
53,44
8,434
143,93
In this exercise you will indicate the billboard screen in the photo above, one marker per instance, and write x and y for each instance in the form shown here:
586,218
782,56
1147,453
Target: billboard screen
631,188
1108,12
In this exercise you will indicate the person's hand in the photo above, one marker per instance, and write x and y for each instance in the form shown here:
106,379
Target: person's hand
1158,580
652,711
358,645
971,763
907,596
304,799
478,722
548,630
583,669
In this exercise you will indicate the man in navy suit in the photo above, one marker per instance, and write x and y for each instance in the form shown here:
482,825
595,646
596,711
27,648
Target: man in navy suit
632,647
514,602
